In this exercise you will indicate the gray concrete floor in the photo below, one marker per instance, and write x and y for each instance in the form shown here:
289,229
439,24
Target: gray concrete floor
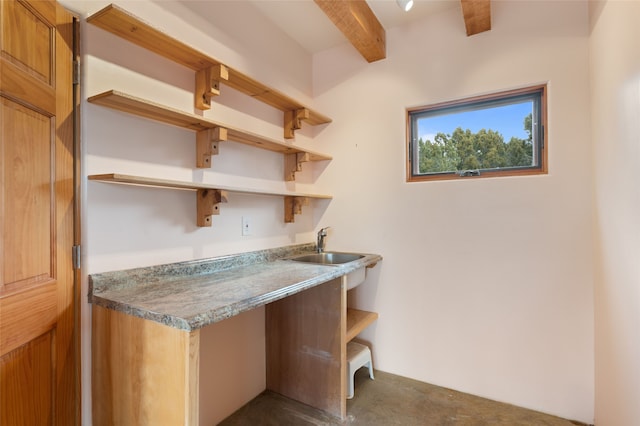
392,400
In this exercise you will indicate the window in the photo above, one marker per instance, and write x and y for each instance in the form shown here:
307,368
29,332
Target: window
496,135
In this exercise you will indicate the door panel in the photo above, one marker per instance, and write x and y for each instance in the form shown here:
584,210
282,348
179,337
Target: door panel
38,362
28,187
28,367
21,325
35,53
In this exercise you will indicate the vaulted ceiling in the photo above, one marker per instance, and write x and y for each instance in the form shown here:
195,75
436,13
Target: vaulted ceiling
320,24
359,24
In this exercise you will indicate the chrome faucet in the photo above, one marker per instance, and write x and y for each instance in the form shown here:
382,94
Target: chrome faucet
321,234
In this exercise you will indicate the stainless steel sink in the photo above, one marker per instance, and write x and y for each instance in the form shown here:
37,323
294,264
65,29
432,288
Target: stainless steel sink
328,258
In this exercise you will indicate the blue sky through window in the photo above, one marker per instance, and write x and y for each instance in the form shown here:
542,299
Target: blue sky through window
507,119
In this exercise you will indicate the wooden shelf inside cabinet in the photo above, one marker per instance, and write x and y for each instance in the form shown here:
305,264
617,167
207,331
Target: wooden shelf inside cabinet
357,321
209,195
210,72
208,132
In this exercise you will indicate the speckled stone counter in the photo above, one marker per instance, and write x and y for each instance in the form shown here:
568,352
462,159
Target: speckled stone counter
191,295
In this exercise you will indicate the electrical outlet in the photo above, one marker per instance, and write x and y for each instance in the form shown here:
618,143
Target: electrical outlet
246,226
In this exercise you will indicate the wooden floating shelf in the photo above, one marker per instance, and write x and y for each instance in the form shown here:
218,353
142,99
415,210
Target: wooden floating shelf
209,195
210,72
209,132
357,321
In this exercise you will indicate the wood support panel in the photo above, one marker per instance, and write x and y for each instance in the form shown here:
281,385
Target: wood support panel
293,206
144,373
293,121
208,84
477,15
207,145
293,164
359,24
207,205
306,358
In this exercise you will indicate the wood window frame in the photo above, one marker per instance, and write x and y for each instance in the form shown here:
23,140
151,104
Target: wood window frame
540,168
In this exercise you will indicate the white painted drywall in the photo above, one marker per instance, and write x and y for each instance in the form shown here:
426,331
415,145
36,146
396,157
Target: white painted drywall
486,285
615,108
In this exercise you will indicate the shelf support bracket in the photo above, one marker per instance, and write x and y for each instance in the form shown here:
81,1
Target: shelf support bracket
207,204
293,121
293,206
208,84
293,163
207,143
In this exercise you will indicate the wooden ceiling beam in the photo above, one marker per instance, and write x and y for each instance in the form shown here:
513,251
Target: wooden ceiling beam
477,15
359,24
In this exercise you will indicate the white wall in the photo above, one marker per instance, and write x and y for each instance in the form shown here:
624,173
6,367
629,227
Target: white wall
615,108
486,285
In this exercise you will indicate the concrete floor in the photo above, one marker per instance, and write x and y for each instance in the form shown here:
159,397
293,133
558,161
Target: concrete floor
392,400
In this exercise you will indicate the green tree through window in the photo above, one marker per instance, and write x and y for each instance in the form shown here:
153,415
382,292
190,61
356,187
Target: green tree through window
465,150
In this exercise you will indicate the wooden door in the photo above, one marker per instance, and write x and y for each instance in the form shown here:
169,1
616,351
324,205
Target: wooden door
38,361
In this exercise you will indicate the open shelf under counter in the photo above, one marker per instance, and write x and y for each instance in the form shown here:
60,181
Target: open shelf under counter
208,132
210,72
357,321
209,196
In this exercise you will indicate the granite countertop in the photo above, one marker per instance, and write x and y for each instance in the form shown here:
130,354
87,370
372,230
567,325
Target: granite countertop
191,295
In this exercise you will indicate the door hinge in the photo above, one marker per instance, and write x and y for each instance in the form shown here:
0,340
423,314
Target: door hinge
75,255
76,72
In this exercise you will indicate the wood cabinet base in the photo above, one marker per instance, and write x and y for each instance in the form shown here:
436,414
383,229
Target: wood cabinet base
147,373
144,373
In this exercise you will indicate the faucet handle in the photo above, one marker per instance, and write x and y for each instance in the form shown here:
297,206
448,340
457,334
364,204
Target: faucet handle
321,234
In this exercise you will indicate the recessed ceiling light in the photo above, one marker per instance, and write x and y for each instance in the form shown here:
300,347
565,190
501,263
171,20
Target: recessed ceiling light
405,5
